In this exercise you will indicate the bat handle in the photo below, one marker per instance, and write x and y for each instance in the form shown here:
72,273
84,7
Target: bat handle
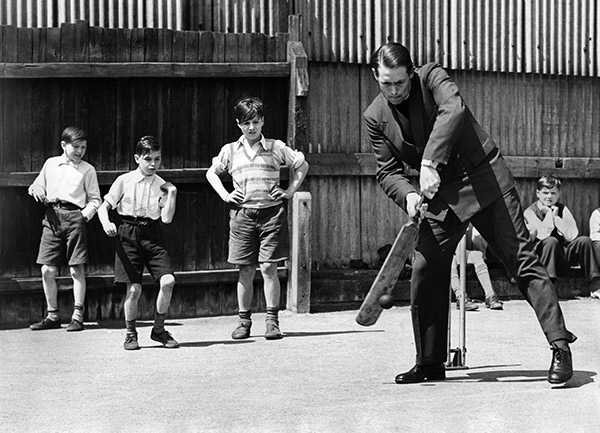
421,209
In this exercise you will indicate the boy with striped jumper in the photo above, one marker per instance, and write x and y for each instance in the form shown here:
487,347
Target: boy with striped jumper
258,232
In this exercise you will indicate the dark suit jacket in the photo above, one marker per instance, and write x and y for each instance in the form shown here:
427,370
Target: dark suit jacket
472,170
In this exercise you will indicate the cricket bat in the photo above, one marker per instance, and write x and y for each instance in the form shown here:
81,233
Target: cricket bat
403,246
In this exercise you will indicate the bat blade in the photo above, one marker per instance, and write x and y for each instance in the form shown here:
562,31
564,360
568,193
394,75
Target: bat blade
403,246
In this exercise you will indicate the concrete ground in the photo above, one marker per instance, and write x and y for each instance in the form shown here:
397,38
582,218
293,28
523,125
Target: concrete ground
327,375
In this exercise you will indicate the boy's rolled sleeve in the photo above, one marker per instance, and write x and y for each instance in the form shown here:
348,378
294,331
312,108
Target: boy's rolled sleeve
40,180
292,157
115,193
218,166
94,199
221,161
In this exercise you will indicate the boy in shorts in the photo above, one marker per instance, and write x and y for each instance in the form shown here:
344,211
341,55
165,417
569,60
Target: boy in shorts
143,199
68,186
258,232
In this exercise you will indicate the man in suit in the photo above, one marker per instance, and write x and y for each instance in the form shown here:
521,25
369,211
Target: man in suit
419,120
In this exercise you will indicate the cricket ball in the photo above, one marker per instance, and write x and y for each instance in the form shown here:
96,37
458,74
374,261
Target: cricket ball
386,301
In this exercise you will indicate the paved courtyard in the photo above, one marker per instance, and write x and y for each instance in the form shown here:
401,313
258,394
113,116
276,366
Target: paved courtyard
327,375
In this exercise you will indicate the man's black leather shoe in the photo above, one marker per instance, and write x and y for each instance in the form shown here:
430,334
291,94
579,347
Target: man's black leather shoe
420,373
561,368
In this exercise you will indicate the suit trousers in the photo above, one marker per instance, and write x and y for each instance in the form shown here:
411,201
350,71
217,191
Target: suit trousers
502,225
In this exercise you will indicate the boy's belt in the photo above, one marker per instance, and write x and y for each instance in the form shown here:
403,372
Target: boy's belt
64,205
138,221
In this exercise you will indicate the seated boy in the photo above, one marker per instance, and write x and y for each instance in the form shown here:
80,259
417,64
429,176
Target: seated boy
555,234
143,199
68,186
595,237
476,247
258,234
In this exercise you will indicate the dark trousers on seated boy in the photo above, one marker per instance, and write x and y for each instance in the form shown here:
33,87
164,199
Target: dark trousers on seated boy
558,257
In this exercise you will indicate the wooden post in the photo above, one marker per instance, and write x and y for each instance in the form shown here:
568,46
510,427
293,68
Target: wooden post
298,101
299,264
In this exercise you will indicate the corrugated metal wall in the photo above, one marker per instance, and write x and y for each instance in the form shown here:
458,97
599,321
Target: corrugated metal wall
538,36
170,14
234,16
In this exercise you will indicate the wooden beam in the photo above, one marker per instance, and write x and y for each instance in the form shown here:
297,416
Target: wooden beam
358,164
107,177
364,164
216,276
144,69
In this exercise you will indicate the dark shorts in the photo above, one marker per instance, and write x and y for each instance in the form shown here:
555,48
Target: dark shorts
64,238
258,235
140,244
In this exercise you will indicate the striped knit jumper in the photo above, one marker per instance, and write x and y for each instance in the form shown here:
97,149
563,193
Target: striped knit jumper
257,176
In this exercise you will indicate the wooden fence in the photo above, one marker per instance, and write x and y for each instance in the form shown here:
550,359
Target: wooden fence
120,84
543,124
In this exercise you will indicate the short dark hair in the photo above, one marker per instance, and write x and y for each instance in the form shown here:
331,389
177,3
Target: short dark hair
247,108
71,134
147,144
548,181
392,55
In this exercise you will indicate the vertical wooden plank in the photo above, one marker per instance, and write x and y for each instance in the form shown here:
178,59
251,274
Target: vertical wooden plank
219,48
350,115
368,92
200,209
192,46
257,47
282,40
124,143
151,38
23,105
10,94
82,36
207,47
245,48
178,47
229,304
201,304
231,48
38,45
137,45
7,312
271,49
214,300
109,45
3,84
188,296
67,43
96,44
184,246
123,45
165,42
53,36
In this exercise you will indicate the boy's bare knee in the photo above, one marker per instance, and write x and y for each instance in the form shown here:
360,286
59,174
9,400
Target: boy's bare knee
247,271
134,291
49,271
269,269
77,271
167,282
